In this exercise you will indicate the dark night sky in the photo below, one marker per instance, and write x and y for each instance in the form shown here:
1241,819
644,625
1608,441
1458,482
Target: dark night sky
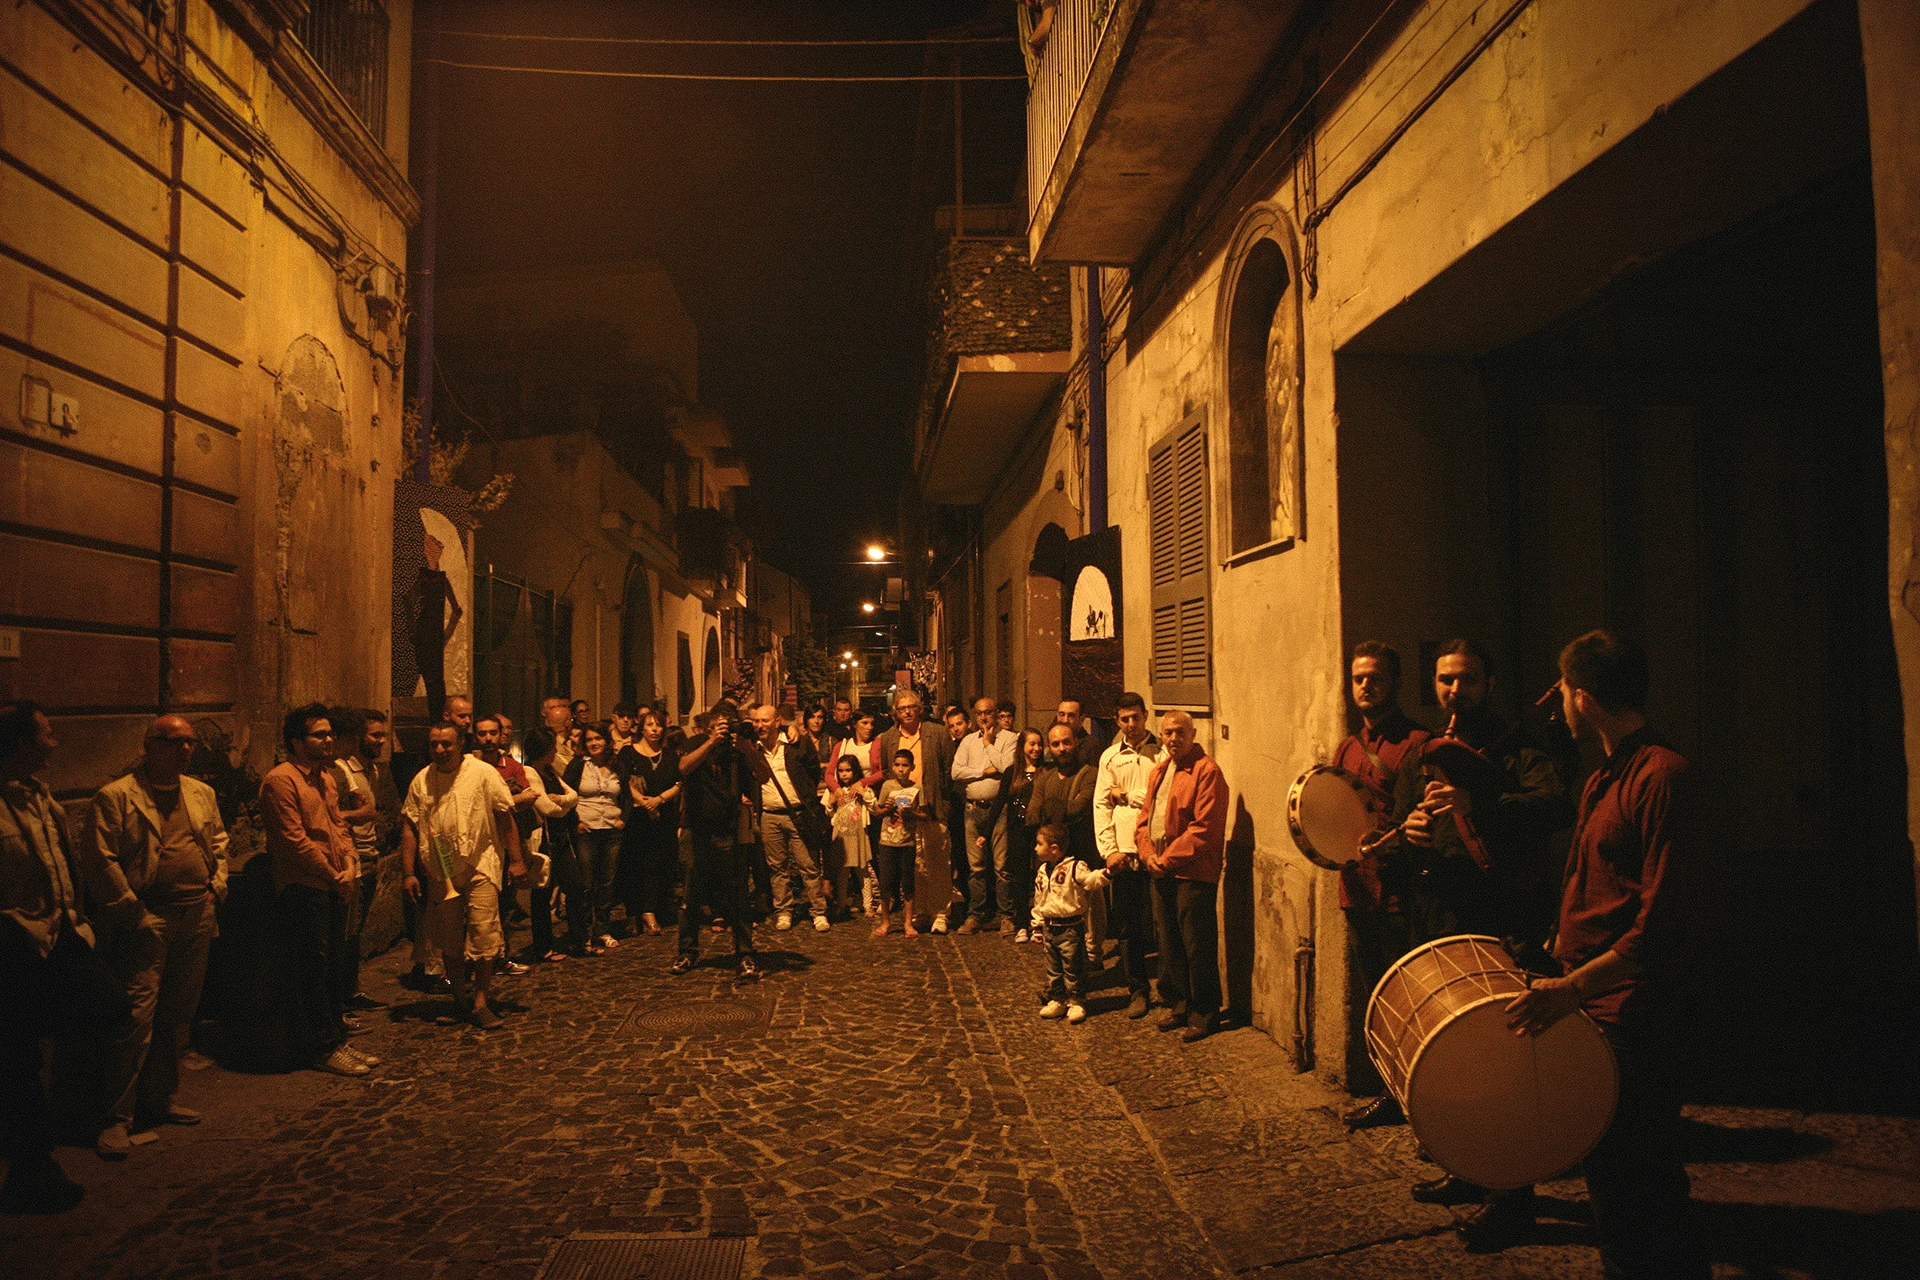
781,211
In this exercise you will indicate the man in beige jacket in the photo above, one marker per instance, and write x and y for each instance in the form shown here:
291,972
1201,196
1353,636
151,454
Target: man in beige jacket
163,858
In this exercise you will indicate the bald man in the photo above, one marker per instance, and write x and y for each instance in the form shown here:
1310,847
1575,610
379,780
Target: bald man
1181,840
163,857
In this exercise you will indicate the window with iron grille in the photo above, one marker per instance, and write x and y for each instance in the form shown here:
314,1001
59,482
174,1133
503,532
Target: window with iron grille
1177,562
348,38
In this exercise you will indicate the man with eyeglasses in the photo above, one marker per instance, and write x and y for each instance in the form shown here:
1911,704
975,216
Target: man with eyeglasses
314,871
162,852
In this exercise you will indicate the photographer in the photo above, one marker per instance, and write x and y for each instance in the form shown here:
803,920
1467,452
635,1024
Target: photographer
718,786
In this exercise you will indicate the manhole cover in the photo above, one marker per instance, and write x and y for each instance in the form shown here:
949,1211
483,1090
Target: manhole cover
634,1257
700,1018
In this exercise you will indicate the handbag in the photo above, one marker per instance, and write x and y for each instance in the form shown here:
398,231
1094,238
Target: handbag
811,821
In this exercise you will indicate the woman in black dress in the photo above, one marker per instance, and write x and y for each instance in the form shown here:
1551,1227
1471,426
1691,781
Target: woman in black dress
652,772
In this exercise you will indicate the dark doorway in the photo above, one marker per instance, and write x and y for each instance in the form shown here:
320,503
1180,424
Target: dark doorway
1696,459
636,637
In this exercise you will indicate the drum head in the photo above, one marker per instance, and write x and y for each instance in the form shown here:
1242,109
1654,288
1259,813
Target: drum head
1507,1111
1330,815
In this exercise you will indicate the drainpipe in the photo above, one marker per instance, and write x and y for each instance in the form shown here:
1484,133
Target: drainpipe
1096,407
429,235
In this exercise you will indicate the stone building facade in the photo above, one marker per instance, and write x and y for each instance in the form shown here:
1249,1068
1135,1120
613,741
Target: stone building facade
202,285
1508,320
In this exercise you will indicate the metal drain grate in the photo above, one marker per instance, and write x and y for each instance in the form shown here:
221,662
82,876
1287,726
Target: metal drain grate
701,1018
610,1257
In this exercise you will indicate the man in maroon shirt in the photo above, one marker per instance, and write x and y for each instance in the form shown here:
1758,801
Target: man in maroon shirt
1623,915
1182,840
1385,755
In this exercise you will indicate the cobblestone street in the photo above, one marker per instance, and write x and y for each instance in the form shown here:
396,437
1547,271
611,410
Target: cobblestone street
872,1107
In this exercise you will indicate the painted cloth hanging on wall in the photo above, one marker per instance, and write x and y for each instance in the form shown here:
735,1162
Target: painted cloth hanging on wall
432,590
1091,666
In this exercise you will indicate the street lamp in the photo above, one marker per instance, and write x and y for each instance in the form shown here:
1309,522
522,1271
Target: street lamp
848,655
876,552
866,606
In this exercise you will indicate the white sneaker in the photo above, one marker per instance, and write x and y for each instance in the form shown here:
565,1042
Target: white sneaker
821,924
1053,1009
940,923
783,921
1021,935
341,1062
1076,1013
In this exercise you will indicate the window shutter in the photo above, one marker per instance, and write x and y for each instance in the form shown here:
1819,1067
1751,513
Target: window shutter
1180,663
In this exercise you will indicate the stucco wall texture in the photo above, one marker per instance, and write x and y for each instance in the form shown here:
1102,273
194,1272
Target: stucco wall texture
211,531
1566,82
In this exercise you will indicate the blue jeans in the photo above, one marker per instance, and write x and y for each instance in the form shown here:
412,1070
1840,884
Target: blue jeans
1066,942
597,853
977,863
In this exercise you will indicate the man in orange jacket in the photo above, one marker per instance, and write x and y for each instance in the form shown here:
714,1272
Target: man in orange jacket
1181,841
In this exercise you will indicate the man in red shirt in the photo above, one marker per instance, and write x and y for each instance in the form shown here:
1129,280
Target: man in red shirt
1624,913
1385,755
314,869
1182,840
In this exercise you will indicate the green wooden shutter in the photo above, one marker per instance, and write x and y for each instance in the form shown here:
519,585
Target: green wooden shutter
1181,669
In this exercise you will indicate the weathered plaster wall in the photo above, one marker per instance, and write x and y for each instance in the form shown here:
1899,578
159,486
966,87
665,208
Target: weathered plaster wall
1023,503
218,529
1890,39
1558,89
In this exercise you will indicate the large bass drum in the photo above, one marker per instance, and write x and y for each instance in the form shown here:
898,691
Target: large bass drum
1330,813
1491,1107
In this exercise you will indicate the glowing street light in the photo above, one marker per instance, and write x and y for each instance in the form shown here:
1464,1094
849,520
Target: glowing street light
866,606
876,552
848,655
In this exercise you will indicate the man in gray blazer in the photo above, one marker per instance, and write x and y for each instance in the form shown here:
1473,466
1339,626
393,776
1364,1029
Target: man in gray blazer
163,857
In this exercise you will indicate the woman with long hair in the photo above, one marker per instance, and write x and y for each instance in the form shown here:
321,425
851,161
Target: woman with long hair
653,819
598,823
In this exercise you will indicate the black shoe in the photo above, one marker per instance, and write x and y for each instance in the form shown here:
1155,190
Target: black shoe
1448,1189
1197,1029
364,1003
1138,1006
1375,1113
39,1189
749,969
682,963
1173,1019
1501,1224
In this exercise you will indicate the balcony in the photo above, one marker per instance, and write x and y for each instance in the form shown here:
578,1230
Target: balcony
348,38
1125,104
999,348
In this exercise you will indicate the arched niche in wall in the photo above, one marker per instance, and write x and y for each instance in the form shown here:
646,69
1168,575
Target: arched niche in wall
1259,368
315,532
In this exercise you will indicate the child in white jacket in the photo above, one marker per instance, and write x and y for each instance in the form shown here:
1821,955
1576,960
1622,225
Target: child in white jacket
1060,888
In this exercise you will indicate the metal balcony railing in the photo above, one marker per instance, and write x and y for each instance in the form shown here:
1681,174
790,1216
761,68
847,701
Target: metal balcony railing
348,38
1057,82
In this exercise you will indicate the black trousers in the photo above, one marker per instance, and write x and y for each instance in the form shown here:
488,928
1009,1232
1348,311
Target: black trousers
1636,1179
649,864
718,876
1130,918
563,879
313,927
69,995
1189,933
1379,938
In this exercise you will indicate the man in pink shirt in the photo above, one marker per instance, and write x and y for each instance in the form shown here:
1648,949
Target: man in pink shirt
314,870
1182,842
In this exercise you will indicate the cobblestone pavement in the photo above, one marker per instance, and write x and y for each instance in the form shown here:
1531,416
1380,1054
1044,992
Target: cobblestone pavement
879,1107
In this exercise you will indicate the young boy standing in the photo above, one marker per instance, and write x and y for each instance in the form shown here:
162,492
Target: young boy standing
1060,888
900,810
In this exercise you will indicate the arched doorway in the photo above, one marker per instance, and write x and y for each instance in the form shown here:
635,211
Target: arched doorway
636,636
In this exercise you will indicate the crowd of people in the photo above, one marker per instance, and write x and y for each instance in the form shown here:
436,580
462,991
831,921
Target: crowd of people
1068,837
587,832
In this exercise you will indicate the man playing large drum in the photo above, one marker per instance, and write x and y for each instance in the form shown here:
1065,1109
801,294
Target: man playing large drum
1624,914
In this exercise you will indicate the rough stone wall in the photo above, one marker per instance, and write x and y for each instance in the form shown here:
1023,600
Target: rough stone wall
988,299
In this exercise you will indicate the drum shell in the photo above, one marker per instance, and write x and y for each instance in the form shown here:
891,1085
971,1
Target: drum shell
1490,1107
1366,817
